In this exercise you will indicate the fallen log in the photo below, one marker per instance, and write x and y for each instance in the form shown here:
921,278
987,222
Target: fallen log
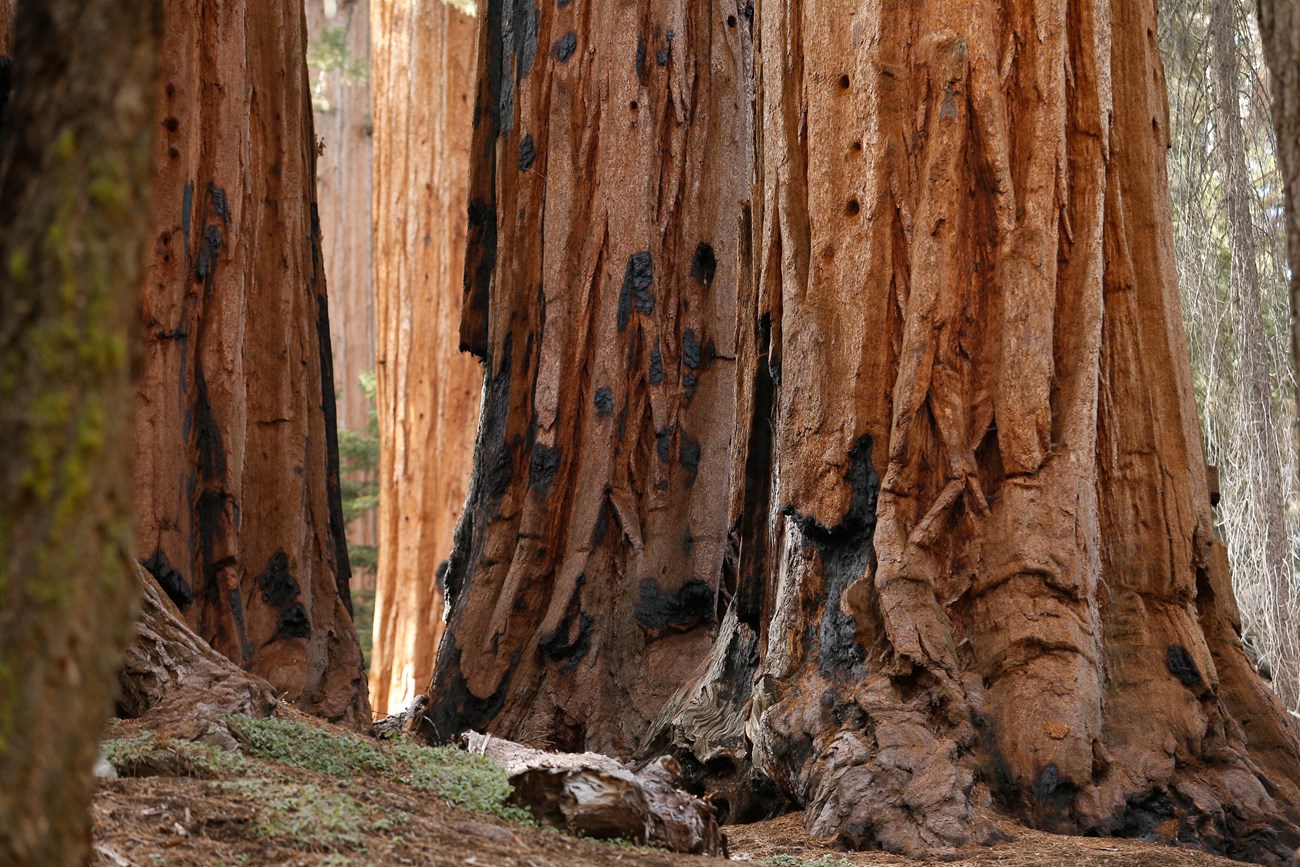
595,796
174,680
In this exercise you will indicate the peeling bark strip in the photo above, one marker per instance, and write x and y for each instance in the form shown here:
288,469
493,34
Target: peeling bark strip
427,390
236,482
966,560
577,608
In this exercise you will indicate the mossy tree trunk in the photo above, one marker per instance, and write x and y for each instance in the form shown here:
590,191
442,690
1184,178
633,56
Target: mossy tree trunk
74,219
958,555
236,486
428,391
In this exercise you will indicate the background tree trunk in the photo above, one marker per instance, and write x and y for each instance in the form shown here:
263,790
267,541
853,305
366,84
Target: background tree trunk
74,206
1254,392
236,488
344,125
1279,25
428,391
587,576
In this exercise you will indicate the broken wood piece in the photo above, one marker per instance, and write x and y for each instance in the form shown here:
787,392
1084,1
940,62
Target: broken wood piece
595,796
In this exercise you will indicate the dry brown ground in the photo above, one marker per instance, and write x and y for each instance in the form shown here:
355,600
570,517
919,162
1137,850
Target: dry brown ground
167,820
177,821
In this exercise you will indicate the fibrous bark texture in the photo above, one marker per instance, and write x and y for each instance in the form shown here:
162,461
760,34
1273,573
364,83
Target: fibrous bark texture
236,485
1279,25
995,569
609,159
74,219
428,391
961,533
343,119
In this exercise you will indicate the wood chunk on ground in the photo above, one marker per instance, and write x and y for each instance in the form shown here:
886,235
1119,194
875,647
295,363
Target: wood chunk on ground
594,795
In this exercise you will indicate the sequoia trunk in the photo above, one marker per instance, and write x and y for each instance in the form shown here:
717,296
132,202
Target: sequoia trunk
74,219
609,159
427,390
972,562
236,486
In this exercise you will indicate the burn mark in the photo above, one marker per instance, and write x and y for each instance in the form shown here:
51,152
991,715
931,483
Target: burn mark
704,264
691,349
846,552
689,453
220,205
481,255
558,646
640,59
171,581
1182,666
636,288
656,365
523,26
498,468
329,409
187,210
456,707
680,610
527,153
281,589
211,247
689,384
664,443
604,401
564,47
542,469
277,585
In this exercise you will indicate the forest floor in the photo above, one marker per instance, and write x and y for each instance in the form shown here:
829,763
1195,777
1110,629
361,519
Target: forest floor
296,792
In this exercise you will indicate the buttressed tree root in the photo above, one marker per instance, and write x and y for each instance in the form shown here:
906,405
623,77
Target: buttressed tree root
960,553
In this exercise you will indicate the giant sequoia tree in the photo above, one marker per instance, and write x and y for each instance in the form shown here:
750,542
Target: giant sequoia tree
236,496
423,73
901,452
74,218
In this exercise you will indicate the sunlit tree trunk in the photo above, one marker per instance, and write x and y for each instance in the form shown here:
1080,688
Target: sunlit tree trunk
971,564
74,219
236,492
344,127
1256,408
428,391
1279,25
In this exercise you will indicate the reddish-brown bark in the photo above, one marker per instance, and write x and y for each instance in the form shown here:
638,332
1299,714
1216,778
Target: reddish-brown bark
608,163
236,494
423,74
74,222
971,563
